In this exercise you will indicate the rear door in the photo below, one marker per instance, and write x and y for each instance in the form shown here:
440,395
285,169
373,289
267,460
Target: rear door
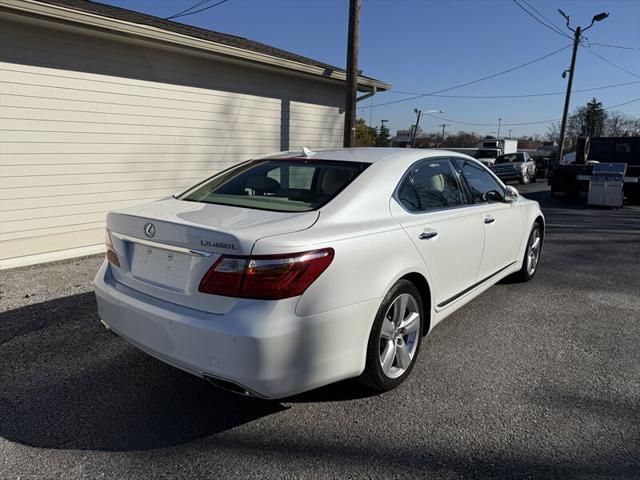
501,222
432,207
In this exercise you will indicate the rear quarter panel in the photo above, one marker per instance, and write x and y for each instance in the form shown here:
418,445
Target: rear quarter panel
366,264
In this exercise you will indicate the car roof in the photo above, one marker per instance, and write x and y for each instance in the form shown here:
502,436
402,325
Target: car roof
365,154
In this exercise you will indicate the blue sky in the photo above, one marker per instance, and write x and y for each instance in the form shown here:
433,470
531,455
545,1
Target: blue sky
426,45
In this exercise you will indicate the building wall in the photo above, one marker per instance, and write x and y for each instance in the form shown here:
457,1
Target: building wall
92,122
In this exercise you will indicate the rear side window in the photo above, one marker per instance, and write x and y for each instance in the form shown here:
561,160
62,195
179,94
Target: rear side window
480,181
282,185
430,185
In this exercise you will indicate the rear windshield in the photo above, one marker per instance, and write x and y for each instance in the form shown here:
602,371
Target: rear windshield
486,154
508,158
281,185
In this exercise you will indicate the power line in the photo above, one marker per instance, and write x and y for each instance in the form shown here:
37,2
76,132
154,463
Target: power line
521,123
551,23
608,45
201,2
524,95
190,11
623,103
465,84
541,22
611,63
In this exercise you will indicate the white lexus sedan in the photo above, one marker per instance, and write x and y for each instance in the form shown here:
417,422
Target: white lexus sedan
299,269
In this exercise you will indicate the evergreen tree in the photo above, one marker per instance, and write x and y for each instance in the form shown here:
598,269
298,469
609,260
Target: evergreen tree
595,117
382,138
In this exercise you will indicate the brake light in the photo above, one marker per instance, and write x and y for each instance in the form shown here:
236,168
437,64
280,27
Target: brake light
266,277
112,256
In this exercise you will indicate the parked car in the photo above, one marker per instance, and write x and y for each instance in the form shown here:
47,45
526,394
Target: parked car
490,148
515,166
299,269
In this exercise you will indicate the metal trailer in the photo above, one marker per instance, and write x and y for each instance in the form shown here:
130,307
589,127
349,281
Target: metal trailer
570,181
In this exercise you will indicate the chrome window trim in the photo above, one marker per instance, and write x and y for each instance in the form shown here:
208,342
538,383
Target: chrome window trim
463,188
486,169
162,246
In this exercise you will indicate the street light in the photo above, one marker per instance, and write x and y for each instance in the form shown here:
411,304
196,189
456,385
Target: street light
566,17
382,122
577,33
598,18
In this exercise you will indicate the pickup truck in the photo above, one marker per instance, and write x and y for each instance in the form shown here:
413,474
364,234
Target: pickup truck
490,148
515,166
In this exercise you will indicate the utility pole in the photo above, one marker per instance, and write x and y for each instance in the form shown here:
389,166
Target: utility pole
567,97
352,74
510,132
577,33
415,128
443,125
499,122
382,122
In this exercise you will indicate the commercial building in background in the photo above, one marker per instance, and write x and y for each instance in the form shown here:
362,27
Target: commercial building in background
403,137
103,107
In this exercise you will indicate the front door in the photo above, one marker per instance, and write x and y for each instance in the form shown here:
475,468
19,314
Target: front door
502,222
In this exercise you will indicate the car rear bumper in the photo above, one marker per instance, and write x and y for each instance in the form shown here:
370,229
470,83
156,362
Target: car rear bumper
261,346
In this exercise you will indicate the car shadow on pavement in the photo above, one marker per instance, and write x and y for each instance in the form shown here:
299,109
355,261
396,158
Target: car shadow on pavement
68,384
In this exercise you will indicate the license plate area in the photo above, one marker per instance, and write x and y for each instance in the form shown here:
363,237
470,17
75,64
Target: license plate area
165,268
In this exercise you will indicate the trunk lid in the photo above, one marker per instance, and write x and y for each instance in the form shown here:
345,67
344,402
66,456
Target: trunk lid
166,247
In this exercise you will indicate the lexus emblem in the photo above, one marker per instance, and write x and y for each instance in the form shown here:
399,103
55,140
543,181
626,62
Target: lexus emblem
150,230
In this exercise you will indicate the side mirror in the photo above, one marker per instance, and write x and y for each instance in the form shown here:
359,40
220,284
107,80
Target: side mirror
511,194
494,196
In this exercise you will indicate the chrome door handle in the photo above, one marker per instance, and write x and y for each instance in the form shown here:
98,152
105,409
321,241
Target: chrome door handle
489,219
427,235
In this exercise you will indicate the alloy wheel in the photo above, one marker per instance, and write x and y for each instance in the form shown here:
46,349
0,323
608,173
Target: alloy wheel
399,335
533,252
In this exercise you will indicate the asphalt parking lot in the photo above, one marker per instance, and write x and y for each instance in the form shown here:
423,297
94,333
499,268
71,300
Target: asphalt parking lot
537,380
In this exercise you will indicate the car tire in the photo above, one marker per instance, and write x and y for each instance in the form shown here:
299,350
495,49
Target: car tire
526,273
524,180
380,374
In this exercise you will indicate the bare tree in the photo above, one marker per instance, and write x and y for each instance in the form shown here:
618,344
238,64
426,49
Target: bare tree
620,124
553,132
462,140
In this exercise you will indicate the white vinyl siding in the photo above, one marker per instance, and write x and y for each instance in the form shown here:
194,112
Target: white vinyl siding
90,122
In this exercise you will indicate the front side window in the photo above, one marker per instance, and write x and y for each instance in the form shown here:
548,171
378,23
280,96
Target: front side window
430,185
282,185
483,187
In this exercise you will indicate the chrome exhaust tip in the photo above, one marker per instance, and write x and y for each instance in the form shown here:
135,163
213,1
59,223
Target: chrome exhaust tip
229,386
108,328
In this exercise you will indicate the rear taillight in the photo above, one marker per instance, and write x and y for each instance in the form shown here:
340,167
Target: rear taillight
112,256
266,277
